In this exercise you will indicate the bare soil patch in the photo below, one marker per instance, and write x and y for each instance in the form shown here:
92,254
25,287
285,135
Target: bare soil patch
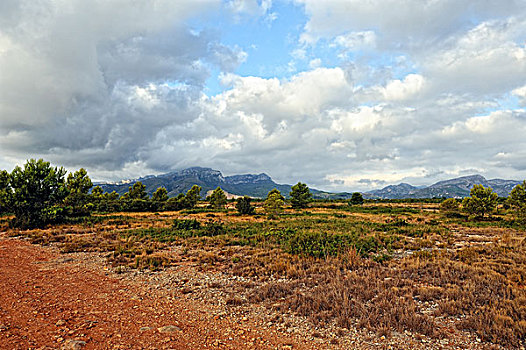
50,300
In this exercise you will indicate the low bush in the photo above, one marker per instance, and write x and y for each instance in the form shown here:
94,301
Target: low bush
185,224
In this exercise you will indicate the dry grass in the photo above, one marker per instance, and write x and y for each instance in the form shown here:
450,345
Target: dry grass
437,269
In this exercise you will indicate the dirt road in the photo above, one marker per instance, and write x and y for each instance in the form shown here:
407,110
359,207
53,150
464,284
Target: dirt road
50,300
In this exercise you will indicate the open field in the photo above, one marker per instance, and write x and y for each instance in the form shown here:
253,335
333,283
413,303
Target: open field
331,276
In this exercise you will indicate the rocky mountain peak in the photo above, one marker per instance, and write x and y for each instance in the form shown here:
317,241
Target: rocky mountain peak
465,182
457,187
200,173
247,179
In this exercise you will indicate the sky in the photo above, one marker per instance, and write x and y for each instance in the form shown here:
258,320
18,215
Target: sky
344,95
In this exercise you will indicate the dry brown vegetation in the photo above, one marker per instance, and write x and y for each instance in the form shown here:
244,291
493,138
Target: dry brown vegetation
386,267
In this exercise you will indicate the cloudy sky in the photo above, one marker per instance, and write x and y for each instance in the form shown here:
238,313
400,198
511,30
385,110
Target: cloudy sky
343,95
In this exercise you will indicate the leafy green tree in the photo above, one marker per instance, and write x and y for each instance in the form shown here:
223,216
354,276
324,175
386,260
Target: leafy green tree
160,195
137,191
5,191
182,201
450,207
136,199
175,203
192,196
300,196
273,193
97,192
106,202
274,203
217,198
99,199
79,182
482,201
243,205
78,185
517,200
36,189
138,205
113,196
356,199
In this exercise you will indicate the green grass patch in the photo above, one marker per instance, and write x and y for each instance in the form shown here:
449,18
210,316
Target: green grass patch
381,210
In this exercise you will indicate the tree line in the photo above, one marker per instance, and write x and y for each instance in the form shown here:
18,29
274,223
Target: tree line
39,194
483,202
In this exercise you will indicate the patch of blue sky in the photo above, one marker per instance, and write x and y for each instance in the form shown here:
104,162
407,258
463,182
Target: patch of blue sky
213,86
268,40
328,55
273,48
506,102
396,66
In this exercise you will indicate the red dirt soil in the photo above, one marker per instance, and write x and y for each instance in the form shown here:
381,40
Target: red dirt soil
48,301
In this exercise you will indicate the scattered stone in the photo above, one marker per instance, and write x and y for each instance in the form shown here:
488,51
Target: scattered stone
144,329
168,329
73,344
60,323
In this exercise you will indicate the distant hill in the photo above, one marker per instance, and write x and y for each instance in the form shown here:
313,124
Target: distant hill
176,182
258,185
457,187
402,190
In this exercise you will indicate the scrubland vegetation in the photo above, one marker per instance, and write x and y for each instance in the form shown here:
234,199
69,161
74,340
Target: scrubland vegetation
431,268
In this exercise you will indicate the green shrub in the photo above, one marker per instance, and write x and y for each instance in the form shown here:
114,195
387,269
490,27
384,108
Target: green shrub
243,205
217,198
186,224
356,199
317,244
300,196
450,207
517,201
482,201
213,228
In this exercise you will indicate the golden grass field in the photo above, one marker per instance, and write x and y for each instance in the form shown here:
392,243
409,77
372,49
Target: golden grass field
383,266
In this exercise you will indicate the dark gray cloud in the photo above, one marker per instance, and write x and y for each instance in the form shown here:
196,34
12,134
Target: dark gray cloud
92,84
118,87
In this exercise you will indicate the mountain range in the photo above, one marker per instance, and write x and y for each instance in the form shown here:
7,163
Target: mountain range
453,188
258,185
181,181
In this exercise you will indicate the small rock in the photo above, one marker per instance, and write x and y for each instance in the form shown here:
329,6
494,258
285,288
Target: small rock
144,329
60,323
73,344
168,329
